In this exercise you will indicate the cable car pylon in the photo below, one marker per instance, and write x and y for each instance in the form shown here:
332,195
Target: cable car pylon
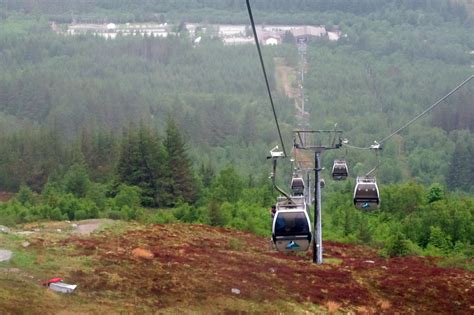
302,141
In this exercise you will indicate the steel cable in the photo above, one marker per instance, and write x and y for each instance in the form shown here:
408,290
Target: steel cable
265,75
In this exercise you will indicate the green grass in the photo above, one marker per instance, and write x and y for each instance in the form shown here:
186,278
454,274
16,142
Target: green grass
22,260
459,262
333,261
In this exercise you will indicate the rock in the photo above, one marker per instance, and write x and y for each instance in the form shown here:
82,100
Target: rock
142,253
25,233
9,270
235,291
58,230
5,254
369,261
25,244
74,226
4,229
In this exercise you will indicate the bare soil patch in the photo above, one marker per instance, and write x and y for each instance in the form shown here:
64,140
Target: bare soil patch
89,226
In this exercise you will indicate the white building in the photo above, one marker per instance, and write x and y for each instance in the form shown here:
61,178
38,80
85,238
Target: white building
271,41
334,36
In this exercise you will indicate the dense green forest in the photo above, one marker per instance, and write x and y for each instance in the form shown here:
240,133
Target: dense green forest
233,11
117,128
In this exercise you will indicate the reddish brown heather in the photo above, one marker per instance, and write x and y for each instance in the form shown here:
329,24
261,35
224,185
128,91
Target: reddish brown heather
194,263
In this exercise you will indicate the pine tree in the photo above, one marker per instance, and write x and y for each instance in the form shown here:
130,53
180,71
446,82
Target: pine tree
141,164
461,169
183,181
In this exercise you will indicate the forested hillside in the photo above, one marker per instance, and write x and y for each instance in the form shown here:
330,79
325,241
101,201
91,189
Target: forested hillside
233,11
63,89
397,59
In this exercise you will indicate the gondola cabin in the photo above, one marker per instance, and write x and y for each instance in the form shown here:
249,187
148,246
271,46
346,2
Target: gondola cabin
297,186
339,170
291,230
366,193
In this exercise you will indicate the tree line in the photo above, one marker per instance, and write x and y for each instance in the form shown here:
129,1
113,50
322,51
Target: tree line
224,10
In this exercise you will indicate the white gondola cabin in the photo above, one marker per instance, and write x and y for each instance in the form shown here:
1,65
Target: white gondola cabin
339,170
291,230
297,186
366,193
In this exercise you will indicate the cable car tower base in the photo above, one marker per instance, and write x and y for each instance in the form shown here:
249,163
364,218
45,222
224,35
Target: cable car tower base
313,140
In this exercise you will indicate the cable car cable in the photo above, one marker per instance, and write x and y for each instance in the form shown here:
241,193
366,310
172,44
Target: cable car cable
355,147
415,118
265,75
376,166
426,110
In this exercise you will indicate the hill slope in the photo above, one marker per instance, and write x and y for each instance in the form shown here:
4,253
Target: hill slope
194,268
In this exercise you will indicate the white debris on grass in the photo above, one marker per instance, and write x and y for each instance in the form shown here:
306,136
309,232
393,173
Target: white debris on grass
62,287
235,291
5,254
4,229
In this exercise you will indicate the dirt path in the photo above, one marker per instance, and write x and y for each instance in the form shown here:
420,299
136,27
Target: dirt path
86,227
284,74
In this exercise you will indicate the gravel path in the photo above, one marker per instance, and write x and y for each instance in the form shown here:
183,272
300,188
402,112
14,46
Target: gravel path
89,226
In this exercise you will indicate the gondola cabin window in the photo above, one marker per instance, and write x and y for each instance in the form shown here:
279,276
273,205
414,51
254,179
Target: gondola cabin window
291,223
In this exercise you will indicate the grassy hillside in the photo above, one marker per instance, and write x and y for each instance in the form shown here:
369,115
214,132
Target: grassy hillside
183,268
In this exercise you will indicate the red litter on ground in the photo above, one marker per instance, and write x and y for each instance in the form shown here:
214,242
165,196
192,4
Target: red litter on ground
53,280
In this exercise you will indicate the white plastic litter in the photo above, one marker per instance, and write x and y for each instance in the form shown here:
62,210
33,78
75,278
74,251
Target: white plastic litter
62,287
235,291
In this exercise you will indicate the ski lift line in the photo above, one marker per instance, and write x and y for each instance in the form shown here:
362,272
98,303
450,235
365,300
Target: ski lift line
265,75
427,110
